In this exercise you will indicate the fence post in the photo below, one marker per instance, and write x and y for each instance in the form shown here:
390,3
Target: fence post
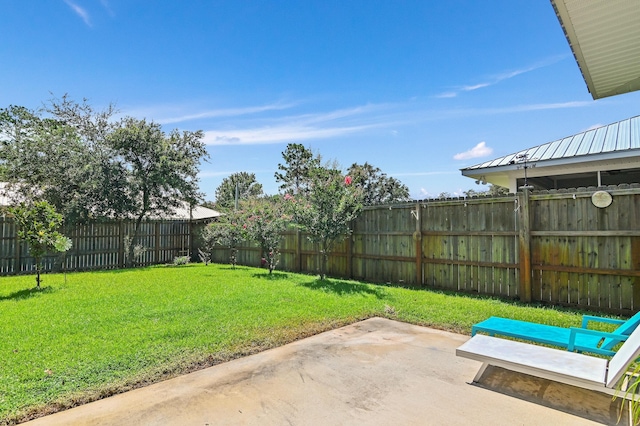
298,250
121,248
156,242
417,237
524,243
350,252
18,254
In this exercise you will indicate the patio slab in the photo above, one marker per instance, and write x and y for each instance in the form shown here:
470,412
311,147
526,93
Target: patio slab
375,372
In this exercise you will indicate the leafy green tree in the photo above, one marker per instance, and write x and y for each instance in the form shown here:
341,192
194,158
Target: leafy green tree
494,190
246,185
43,159
377,187
472,193
498,190
265,220
38,226
161,170
326,212
295,173
227,231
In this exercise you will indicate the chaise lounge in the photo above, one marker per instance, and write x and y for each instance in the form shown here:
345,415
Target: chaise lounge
574,339
589,372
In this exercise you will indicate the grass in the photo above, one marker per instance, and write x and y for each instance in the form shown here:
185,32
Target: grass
90,335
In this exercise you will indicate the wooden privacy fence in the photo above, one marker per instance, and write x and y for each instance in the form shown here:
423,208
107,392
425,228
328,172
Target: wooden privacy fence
552,246
98,245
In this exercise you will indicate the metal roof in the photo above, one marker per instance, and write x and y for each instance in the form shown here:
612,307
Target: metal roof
620,139
605,39
197,213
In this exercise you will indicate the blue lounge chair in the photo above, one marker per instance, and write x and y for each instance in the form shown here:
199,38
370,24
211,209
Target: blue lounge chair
573,339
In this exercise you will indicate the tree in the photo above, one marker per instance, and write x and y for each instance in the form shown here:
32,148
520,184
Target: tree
38,226
160,170
43,159
226,231
377,187
246,185
472,193
496,190
264,221
87,165
326,212
63,159
299,163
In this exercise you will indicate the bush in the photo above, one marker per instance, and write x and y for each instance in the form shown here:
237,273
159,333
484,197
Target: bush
180,260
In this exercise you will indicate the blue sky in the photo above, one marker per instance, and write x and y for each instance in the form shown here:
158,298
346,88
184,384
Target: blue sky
417,88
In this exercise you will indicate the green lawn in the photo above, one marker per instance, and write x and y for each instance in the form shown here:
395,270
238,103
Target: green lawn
90,335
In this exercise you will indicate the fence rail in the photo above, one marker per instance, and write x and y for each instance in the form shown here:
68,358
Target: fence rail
555,247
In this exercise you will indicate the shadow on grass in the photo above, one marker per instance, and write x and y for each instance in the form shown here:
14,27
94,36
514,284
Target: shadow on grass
342,288
27,293
232,268
275,275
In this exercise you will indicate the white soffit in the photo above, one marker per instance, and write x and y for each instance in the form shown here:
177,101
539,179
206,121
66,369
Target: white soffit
604,36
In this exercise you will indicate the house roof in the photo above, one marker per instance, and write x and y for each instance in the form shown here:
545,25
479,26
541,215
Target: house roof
616,140
607,155
197,213
7,197
605,39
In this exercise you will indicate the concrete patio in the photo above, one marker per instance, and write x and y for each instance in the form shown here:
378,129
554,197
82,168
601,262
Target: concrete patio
375,372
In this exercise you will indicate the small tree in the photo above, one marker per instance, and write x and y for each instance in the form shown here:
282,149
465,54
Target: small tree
264,221
327,211
37,225
227,231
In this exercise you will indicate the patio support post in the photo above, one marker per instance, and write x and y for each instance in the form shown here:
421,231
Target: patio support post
524,244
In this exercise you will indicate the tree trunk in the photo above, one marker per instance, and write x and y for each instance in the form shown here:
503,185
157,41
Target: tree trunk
38,273
132,241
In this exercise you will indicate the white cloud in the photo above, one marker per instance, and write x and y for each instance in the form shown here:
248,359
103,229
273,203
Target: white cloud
424,193
593,127
279,134
81,12
480,150
301,127
226,112
500,77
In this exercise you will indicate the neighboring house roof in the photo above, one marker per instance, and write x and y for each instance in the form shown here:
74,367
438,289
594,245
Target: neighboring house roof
611,149
197,213
605,39
181,213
